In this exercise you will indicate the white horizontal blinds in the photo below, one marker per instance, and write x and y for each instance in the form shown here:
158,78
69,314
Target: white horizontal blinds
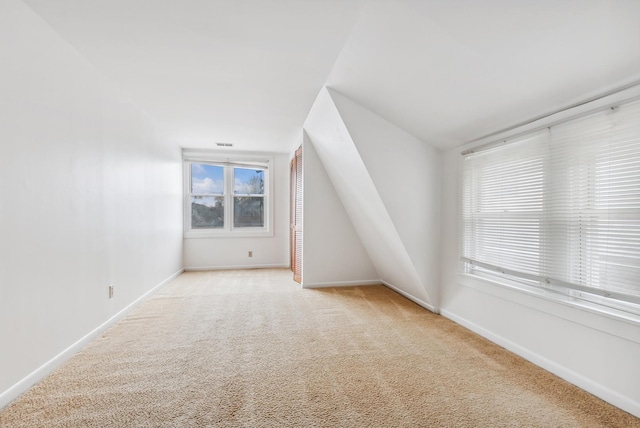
595,205
560,207
503,204
618,188
573,219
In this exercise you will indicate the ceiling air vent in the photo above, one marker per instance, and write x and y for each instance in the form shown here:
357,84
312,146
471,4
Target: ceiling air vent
224,144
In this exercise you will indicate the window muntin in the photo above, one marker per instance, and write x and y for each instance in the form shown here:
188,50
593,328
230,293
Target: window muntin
560,209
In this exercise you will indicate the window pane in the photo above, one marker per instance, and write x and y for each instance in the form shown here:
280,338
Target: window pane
248,181
207,179
248,211
207,212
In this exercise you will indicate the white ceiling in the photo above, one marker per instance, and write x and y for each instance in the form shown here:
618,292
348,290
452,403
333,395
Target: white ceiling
448,71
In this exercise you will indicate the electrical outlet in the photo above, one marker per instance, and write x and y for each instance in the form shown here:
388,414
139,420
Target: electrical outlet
250,253
111,291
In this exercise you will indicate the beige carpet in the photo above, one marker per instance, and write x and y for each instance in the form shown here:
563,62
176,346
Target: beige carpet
250,348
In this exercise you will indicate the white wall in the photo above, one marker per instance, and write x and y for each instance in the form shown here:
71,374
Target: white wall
89,197
598,353
333,252
232,253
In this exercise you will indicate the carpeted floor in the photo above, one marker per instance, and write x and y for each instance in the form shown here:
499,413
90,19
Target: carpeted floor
250,348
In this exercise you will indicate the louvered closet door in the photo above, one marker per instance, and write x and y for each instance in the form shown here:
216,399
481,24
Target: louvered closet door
296,216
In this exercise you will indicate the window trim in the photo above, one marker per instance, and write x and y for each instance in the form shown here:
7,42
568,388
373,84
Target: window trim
229,160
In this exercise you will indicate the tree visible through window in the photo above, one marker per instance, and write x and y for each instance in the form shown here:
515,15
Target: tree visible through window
248,197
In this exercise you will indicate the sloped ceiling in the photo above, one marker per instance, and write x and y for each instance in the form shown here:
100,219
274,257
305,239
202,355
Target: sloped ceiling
244,72
448,72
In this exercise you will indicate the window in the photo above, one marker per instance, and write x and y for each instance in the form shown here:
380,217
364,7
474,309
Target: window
559,209
226,197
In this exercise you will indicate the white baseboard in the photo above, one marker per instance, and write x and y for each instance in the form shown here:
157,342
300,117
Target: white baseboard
340,283
412,298
623,402
37,375
239,267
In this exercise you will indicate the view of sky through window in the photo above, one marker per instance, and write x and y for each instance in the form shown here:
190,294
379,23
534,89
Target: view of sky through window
207,179
248,181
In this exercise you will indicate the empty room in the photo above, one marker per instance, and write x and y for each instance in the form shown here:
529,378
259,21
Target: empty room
320,213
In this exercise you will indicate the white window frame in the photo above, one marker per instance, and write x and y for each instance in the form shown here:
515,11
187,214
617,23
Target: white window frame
228,160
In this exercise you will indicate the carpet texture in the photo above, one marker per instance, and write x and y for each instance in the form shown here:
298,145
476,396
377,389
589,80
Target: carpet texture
250,348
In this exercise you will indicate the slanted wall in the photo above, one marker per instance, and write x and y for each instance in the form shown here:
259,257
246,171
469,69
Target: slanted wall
389,185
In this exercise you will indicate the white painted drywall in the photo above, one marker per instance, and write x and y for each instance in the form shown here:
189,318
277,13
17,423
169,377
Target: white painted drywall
89,197
361,200
232,253
406,173
333,252
598,353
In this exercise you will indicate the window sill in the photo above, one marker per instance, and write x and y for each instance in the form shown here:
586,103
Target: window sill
261,233
608,320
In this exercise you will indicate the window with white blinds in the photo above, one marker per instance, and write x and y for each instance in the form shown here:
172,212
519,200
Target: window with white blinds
559,208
